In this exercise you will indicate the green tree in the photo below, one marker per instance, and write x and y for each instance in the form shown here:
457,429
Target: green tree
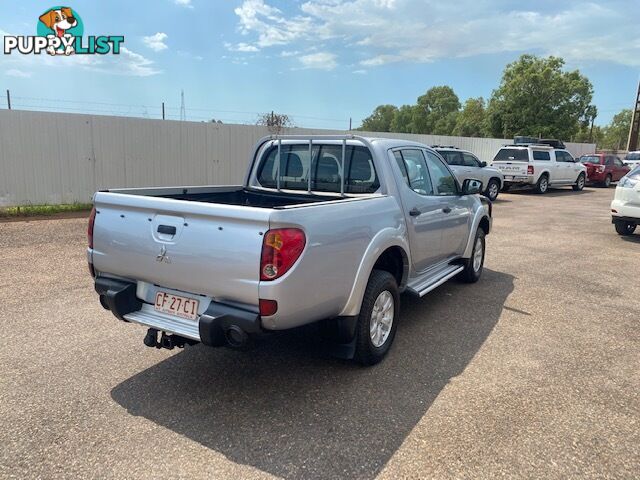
616,133
380,119
402,119
536,97
436,111
471,120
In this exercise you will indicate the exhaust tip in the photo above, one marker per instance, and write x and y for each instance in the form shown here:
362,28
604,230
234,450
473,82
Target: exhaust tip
236,337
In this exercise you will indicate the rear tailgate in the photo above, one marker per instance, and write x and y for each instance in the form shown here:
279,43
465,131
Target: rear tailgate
199,248
511,169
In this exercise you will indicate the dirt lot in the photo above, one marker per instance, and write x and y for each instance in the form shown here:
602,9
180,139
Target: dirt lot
533,372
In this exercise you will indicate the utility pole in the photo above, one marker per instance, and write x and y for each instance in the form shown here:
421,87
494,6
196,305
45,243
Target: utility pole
183,111
8,99
163,110
634,131
349,123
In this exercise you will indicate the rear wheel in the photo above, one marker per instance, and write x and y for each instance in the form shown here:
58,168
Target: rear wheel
493,189
607,181
625,228
543,184
378,319
580,183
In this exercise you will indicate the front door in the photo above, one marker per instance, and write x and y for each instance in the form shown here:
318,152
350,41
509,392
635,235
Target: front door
426,216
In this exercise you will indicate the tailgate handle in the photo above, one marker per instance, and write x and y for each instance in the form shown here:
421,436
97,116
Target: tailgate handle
167,229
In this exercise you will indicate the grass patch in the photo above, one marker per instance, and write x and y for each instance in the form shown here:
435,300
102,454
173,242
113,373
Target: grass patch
42,210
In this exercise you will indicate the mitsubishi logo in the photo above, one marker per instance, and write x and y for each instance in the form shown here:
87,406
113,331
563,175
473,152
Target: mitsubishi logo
163,257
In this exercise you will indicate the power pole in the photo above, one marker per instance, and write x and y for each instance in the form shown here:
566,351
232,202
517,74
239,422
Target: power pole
349,123
183,111
8,99
163,110
634,131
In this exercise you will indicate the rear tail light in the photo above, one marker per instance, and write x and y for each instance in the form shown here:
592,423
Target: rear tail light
281,248
92,221
268,307
530,170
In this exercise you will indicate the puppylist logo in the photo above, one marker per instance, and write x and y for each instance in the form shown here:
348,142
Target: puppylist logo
60,32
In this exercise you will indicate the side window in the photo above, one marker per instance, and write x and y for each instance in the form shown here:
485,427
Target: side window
403,169
443,181
568,157
452,157
609,161
470,160
560,156
417,175
618,162
541,155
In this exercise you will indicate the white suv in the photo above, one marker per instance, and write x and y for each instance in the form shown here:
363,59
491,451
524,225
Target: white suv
539,166
632,159
625,208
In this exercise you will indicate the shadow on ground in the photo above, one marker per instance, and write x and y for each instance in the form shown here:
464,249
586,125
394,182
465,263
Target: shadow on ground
289,409
552,192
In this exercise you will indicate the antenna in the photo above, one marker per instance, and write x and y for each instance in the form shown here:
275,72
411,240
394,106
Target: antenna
183,111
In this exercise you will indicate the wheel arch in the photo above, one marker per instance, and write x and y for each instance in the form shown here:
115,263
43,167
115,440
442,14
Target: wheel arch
387,251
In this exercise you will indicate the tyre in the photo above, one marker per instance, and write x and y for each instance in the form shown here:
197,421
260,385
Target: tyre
473,266
493,189
579,183
378,319
625,228
543,184
607,181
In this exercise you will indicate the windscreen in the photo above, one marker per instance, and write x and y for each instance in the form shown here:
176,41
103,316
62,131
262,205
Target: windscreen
512,155
359,170
590,159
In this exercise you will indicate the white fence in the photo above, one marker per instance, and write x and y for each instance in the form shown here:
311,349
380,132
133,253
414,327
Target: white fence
51,158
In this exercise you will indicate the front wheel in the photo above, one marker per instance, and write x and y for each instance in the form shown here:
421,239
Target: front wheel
378,319
625,228
543,184
473,266
493,189
607,181
579,183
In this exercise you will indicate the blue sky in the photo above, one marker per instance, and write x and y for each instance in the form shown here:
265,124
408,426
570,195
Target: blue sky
322,61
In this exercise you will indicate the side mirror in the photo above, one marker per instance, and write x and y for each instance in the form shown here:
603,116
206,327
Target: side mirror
471,186
483,164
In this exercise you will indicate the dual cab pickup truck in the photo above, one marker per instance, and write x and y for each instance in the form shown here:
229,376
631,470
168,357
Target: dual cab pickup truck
324,229
539,166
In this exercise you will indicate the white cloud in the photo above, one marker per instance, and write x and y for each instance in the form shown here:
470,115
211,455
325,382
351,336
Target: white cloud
156,42
289,53
360,72
14,72
386,31
241,47
320,61
183,3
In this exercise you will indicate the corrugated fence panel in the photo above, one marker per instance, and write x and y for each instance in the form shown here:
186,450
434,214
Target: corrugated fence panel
53,158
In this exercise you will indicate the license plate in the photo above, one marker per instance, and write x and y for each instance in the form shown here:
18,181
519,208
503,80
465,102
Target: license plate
182,307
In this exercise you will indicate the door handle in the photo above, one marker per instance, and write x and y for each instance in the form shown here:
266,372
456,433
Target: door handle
166,229
414,212
446,210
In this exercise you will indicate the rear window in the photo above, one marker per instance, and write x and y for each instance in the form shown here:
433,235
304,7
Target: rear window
512,154
595,159
360,173
633,156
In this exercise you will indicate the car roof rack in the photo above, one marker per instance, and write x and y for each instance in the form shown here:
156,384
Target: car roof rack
525,145
446,146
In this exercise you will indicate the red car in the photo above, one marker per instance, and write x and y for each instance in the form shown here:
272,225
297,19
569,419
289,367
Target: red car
603,168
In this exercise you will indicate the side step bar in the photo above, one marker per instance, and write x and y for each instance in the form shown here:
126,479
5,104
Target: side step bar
422,286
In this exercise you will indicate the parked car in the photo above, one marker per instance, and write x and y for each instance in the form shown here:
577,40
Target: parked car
625,207
603,169
466,165
324,228
539,166
632,159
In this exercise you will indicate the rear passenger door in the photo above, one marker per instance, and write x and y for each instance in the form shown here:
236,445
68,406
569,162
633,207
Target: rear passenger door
423,210
620,169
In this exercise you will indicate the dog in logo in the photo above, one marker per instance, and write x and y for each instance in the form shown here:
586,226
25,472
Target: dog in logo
59,20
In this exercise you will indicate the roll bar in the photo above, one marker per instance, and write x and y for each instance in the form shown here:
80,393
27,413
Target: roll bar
310,138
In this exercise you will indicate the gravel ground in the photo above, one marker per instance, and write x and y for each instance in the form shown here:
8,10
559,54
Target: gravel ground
532,372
